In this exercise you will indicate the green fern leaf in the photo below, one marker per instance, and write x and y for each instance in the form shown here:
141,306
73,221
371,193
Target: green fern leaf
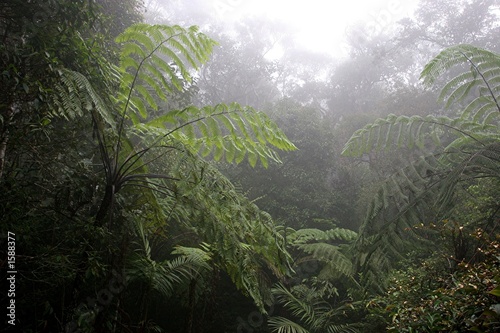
284,325
144,48
211,123
330,254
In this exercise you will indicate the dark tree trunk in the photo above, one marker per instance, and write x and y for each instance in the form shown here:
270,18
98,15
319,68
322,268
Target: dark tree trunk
191,307
105,206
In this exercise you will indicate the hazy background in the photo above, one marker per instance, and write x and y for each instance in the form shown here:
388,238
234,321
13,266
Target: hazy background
323,70
316,25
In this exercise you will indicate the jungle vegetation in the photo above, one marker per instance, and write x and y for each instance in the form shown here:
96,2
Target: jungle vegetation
162,175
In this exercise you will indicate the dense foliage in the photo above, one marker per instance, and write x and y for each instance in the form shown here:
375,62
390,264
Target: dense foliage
148,180
101,155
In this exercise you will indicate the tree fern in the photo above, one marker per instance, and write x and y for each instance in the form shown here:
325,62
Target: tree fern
157,59
450,151
156,155
230,131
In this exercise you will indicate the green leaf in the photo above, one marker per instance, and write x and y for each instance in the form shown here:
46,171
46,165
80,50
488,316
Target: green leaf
495,292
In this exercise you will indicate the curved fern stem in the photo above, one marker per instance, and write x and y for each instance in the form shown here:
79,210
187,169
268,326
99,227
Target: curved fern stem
127,102
484,80
458,130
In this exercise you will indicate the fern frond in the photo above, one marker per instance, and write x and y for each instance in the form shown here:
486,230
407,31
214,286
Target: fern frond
484,74
302,236
158,58
75,96
329,254
301,309
311,313
233,132
162,276
194,254
284,325
243,239
342,329
341,234
456,55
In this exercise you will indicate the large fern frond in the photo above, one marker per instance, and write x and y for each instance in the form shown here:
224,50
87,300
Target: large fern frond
242,238
424,133
450,151
229,131
156,59
479,119
329,254
483,79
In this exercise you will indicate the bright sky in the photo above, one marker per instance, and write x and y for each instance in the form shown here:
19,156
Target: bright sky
320,24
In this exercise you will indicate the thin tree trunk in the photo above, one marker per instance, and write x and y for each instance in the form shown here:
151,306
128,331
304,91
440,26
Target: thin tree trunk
191,306
105,206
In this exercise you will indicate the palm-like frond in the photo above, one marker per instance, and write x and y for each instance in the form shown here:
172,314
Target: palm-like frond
302,309
284,325
310,312
164,276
